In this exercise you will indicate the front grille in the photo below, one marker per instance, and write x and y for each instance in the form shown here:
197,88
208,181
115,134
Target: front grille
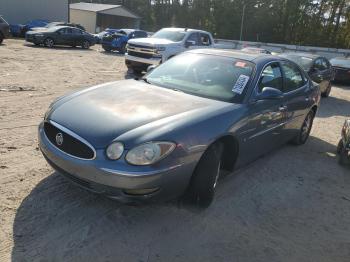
137,54
148,48
67,143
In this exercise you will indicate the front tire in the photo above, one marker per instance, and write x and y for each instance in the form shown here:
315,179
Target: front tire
205,177
1,38
305,129
49,42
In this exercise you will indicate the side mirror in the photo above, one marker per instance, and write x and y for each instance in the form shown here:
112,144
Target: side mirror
189,43
270,93
151,68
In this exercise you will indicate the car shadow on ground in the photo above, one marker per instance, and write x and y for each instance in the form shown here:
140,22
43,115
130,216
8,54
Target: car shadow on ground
271,207
333,106
112,53
58,47
341,85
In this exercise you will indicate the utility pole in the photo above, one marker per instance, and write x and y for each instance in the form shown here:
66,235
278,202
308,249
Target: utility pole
242,23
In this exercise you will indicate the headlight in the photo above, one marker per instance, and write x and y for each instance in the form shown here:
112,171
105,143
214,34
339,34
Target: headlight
115,150
150,153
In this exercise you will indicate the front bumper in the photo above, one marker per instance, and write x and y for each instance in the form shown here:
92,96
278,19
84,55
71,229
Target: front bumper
108,178
140,60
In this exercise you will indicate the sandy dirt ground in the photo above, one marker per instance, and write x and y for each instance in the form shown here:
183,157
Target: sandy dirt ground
292,205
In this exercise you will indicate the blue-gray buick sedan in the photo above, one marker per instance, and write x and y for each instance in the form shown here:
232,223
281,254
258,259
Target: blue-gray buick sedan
170,133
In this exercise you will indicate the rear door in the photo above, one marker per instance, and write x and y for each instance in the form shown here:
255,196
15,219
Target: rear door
296,99
319,73
67,36
77,37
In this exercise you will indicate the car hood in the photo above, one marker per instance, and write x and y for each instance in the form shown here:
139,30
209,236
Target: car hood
103,113
151,41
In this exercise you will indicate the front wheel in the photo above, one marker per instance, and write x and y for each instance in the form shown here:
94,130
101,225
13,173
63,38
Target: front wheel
305,130
205,177
85,45
1,38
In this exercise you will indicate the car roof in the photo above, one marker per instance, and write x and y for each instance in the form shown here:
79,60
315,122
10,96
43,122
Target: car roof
308,55
184,29
239,54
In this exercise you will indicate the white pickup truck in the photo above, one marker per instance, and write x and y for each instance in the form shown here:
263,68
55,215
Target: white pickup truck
164,44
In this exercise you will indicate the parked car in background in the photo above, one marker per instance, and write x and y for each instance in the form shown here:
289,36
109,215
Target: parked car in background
61,35
4,29
344,144
163,45
53,24
106,32
256,50
319,69
173,131
118,40
341,67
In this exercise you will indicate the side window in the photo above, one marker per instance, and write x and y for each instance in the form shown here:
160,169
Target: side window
69,31
140,34
293,77
271,77
325,64
205,39
193,37
318,64
63,31
77,31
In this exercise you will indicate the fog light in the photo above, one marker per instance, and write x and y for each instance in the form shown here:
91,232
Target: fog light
140,192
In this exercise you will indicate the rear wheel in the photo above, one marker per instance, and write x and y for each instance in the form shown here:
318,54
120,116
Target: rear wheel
205,177
328,90
1,38
305,130
49,42
85,45
107,49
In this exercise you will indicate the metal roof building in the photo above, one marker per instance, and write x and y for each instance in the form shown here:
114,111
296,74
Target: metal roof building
20,11
97,17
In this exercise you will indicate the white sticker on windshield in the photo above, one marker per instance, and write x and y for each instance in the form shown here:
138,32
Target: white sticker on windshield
240,84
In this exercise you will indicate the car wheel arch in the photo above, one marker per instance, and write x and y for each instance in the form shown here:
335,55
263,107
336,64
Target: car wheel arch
230,151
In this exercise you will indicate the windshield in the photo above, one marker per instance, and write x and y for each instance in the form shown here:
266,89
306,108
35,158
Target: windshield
215,77
175,36
342,62
303,61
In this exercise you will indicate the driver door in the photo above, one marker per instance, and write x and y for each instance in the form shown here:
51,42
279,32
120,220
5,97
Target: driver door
192,41
263,131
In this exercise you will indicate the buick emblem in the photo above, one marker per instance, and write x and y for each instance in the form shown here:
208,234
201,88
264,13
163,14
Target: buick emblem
59,139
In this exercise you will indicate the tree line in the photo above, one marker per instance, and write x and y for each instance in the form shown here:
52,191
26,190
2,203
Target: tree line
300,22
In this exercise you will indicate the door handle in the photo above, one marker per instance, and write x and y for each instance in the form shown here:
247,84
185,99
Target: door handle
283,108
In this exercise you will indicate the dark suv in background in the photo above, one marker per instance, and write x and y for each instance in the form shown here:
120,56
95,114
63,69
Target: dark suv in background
4,29
319,69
